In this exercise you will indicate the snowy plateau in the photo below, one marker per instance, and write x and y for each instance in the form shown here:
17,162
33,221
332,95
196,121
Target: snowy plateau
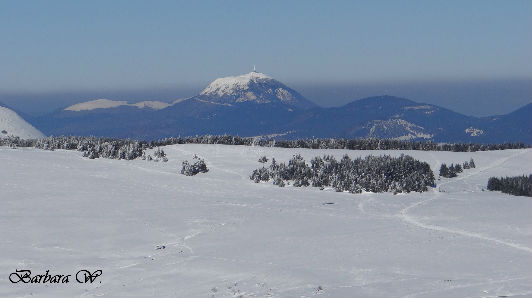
106,104
156,233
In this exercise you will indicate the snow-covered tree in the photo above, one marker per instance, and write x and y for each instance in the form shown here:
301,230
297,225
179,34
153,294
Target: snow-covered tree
373,174
198,165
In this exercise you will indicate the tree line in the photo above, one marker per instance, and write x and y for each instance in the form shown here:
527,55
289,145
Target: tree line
92,147
96,147
333,143
517,186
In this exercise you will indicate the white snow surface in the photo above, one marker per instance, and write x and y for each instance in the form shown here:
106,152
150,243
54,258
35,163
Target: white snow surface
421,107
233,84
103,103
152,104
474,132
397,129
11,124
252,87
226,236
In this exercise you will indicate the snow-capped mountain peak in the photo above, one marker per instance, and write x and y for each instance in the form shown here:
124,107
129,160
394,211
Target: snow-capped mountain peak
232,84
11,124
254,87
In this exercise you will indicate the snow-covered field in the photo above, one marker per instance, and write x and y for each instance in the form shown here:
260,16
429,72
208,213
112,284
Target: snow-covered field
226,236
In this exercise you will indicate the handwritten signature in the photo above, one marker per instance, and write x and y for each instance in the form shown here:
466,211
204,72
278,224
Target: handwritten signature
82,276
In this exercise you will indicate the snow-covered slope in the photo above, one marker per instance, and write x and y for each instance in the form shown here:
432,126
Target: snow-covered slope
107,104
156,233
11,124
234,84
396,129
252,87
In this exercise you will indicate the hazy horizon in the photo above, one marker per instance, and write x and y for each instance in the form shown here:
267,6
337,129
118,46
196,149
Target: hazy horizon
472,57
476,98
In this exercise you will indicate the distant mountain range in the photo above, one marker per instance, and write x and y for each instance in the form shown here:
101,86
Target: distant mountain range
255,104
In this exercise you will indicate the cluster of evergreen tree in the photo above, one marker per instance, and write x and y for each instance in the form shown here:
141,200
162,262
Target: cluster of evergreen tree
15,142
159,155
371,174
117,149
517,186
197,166
92,147
453,170
349,144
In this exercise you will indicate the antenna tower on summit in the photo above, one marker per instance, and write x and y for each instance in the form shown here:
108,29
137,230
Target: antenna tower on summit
254,70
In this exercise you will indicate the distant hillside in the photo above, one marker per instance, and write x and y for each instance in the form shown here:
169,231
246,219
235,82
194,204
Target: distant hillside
255,104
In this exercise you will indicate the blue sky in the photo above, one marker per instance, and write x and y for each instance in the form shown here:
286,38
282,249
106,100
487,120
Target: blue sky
65,46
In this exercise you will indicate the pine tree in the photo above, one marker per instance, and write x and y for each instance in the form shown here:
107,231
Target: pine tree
444,170
472,164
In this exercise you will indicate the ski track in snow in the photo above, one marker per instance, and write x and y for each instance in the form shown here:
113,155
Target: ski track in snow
468,285
412,220
403,214
180,243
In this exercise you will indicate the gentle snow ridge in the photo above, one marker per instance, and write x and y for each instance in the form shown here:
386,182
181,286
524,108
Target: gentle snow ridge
11,124
106,104
152,104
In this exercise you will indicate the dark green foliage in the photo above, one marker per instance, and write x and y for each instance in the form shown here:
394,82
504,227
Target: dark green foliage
447,172
517,186
444,170
372,174
454,169
472,164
